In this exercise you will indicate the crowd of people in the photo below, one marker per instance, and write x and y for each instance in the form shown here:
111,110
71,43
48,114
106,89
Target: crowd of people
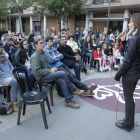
51,58
50,62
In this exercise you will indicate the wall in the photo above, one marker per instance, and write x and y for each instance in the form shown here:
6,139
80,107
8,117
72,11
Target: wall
53,22
100,25
129,2
27,26
71,25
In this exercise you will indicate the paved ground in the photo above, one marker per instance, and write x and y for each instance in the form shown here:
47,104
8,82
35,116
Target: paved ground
87,123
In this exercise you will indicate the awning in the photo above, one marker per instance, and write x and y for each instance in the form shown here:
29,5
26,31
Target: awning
106,19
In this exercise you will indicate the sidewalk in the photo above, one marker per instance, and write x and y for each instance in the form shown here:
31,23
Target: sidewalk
87,123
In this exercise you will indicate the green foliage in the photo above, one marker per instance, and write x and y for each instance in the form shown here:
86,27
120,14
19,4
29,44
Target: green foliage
6,5
60,8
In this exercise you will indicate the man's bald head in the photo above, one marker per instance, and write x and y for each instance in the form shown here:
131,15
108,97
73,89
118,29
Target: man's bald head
56,38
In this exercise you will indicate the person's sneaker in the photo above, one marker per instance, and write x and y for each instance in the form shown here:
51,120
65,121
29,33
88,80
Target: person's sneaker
89,72
116,66
92,87
109,68
101,69
15,107
88,93
72,104
106,67
78,92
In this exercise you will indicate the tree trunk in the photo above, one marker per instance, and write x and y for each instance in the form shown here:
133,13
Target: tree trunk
65,23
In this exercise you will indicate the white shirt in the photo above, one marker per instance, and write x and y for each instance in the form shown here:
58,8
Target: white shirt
27,62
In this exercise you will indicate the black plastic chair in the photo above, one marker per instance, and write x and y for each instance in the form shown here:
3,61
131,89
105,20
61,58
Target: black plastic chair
50,85
6,92
95,61
30,97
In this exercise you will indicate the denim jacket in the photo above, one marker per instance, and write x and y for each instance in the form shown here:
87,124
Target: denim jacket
54,56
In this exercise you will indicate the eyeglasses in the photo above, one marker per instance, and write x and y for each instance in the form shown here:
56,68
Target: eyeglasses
1,47
25,44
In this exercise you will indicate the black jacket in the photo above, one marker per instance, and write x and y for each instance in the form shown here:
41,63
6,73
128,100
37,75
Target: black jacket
19,59
108,52
131,59
67,52
56,45
85,46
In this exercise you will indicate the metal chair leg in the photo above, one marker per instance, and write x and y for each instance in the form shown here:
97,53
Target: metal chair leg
40,87
44,114
98,67
48,104
51,95
24,109
19,112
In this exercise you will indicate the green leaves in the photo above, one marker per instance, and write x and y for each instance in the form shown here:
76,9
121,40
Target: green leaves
60,8
6,5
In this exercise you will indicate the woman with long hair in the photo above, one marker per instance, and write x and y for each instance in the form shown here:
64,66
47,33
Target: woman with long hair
130,71
22,59
88,48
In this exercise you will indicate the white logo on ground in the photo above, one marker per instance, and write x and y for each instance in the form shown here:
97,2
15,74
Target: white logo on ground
109,92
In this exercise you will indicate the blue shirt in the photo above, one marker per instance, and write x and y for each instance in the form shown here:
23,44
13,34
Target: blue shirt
54,57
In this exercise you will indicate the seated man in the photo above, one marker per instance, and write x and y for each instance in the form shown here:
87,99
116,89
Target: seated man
6,77
45,73
56,43
70,60
54,58
10,48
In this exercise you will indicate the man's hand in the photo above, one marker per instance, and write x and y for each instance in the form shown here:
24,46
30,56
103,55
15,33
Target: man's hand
28,68
78,57
53,70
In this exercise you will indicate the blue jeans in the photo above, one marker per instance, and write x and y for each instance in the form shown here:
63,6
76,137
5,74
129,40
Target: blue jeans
14,88
62,80
72,77
90,55
77,67
32,77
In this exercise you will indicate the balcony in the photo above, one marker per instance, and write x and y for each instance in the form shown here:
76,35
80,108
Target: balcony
98,2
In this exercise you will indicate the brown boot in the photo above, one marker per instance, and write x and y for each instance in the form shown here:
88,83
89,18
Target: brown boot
72,104
76,92
88,93
89,72
15,107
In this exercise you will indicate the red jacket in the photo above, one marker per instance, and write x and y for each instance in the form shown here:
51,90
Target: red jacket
95,54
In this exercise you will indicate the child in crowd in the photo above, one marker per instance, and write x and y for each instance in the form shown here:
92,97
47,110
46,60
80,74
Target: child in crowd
97,56
117,54
110,57
104,48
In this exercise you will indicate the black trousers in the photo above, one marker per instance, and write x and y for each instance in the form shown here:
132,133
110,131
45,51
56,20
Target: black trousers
72,77
129,82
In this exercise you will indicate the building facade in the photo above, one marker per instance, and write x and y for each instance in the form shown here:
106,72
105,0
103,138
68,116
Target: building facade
96,17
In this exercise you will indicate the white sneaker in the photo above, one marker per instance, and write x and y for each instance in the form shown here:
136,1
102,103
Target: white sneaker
106,67
101,69
116,66
109,68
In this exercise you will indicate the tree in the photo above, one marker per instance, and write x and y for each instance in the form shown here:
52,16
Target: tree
4,9
61,9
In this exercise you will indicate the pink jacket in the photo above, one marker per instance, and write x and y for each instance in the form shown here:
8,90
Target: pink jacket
116,52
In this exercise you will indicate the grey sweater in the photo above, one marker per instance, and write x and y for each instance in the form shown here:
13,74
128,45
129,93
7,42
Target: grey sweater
5,71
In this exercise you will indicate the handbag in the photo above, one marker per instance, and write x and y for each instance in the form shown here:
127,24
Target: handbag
6,108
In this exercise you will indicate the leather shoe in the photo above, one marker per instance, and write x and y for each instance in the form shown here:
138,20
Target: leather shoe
124,126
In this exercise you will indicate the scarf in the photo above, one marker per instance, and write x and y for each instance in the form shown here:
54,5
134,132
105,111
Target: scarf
3,58
130,34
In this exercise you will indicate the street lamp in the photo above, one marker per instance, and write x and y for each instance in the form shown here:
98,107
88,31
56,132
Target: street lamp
9,18
108,18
